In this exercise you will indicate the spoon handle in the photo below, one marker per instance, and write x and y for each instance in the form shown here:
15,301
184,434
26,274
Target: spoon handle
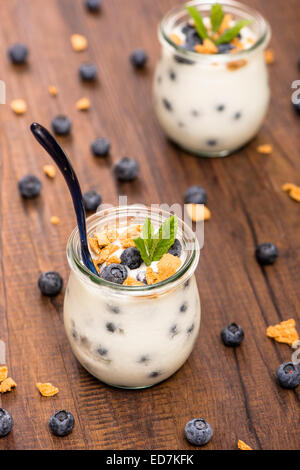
58,155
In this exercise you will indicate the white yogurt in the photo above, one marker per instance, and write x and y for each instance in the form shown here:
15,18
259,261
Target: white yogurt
206,107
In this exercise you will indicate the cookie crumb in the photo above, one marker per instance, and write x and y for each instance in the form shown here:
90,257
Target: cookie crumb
167,266
49,171
19,106
131,281
102,239
176,39
208,47
293,190
113,260
151,276
198,212
79,42
83,104
243,446
265,149
127,243
94,245
7,385
236,64
284,332
47,389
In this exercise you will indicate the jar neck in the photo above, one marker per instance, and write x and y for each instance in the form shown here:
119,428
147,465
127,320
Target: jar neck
124,216
179,16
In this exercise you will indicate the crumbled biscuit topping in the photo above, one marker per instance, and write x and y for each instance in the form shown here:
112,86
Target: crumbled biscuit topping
79,42
49,170
7,385
19,106
284,332
265,149
47,389
198,212
243,446
3,373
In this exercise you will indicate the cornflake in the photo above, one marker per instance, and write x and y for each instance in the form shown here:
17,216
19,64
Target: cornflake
18,106
94,245
52,90
236,64
284,332
293,190
269,56
176,39
243,446
208,47
3,373
7,385
102,239
131,281
265,149
105,253
112,235
47,389
113,260
49,171
127,243
198,212
55,220
151,276
79,42
167,266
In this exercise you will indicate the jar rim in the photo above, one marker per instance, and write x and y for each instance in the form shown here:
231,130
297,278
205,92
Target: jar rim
234,6
76,264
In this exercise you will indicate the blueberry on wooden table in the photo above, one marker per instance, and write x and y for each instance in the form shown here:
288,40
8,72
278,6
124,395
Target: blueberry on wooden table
126,169
93,5
61,423
176,248
91,200
50,283
100,147
88,72
131,257
139,58
114,272
18,53
266,253
6,422
195,195
288,375
61,125
232,335
198,432
30,186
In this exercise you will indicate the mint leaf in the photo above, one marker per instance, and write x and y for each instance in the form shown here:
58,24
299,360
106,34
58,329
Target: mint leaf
197,17
166,237
141,246
232,32
154,245
216,17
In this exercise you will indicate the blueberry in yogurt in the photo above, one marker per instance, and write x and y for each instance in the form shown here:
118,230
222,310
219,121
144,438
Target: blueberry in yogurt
30,186
18,53
131,257
175,249
116,273
126,169
195,195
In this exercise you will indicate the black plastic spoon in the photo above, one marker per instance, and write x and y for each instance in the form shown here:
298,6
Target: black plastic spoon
58,155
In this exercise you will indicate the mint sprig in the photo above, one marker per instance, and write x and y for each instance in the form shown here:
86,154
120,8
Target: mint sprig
154,245
216,18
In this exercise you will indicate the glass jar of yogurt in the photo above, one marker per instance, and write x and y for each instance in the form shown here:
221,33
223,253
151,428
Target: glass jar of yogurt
211,104
132,336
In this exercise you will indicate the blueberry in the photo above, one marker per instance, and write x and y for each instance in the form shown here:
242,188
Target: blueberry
111,327
266,253
100,147
61,125
195,195
139,58
167,104
6,422
154,374
175,249
182,60
225,48
187,28
91,200
172,75
174,331
144,359
102,351
131,257
220,107
141,276
190,329
237,115
297,107
50,283
183,307
116,273
88,72
18,53
198,432
30,186
212,142
93,5
192,39
288,375
126,169
232,335
113,309
61,423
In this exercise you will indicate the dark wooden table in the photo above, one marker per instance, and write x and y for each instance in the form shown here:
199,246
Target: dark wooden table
234,390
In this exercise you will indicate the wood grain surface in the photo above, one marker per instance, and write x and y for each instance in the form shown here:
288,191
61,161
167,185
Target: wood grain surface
234,390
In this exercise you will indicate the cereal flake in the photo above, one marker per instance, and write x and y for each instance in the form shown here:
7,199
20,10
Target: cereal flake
105,253
19,106
94,245
167,266
79,42
284,332
53,91
7,385
83,104
198,212
151,276
127,243
131,281
113,260
3,373
176,39
55,220
269,56
47,389
49,170
208,47
102,239
243,446
236,64
265,149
